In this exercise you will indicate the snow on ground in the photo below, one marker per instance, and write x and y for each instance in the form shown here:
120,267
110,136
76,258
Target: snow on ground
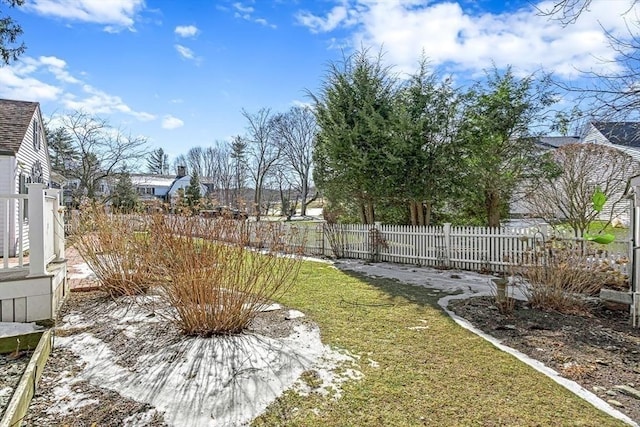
10,329
219,381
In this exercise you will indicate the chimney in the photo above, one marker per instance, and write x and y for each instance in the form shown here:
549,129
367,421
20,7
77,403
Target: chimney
182,171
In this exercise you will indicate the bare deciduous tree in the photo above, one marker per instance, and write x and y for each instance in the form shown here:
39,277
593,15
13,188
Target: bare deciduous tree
585,167
104,150
262,149
615,94
296,132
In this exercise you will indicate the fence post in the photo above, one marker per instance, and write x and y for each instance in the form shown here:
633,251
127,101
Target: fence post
37,266
374,241
447,244
320,239
58,224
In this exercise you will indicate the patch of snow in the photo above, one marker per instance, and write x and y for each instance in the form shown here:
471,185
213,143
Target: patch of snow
217,381
417,328
334,368
373,363
268,307
81,271
74,320
68,400
294,314
11,329
139,419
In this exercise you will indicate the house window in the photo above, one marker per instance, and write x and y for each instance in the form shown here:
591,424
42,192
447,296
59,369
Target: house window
36,135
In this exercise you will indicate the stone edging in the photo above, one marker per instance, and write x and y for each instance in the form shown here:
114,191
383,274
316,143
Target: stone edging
19,404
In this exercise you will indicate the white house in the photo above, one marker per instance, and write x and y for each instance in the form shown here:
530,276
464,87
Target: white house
152,187
24,158
623,136
31,287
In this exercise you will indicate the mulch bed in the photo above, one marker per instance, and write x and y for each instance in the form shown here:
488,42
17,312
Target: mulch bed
599,351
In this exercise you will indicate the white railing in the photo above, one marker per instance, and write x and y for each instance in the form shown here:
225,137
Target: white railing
40,231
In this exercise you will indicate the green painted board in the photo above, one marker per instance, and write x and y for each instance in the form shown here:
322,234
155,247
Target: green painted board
27,342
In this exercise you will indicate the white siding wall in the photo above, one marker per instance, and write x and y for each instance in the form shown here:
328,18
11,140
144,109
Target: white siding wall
593,136
7,186
25,158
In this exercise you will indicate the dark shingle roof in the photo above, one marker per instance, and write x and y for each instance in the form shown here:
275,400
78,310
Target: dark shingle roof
557,141
15,117
620,133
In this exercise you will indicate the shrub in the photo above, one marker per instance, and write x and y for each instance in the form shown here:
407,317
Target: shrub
116,248
559,276
215,284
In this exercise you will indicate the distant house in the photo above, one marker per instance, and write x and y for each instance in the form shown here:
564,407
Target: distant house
24,158
74,191
624,136
152,188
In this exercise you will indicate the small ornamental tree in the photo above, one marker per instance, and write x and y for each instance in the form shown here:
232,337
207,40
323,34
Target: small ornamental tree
125,197
192,193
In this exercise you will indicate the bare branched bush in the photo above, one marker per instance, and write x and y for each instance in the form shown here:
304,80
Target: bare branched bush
559,276
213,281
503,291
337,238
116,247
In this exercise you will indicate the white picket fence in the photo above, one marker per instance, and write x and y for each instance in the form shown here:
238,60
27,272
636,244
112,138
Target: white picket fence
466,248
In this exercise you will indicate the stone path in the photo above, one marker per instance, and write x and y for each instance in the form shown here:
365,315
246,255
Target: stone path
79,275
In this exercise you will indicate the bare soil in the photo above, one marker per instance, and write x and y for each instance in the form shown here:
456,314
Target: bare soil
598,351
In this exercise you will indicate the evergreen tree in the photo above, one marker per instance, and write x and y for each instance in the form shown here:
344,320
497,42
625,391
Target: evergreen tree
64,156
158,163
9,33
498,139
355,159
192,194
124,197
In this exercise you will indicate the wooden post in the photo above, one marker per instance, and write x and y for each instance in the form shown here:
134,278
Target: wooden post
501,289
447,244
37,266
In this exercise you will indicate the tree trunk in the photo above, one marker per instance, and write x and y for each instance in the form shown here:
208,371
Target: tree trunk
413,211
492,202
428,207
370,213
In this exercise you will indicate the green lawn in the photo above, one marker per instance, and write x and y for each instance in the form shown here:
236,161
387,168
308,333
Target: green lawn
440,376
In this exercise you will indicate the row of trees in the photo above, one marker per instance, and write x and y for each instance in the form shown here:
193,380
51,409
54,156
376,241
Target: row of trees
275,153
393,148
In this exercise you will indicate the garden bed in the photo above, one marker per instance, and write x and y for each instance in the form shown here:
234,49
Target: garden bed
120,362
601,352
11,370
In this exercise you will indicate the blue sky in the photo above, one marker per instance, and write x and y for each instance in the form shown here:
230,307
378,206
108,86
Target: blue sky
179,72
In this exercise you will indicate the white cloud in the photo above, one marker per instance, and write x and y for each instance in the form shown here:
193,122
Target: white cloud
242,8
170,122
467,41
186,30
185,52
246,13
16,85
338,15
25,80
114,14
